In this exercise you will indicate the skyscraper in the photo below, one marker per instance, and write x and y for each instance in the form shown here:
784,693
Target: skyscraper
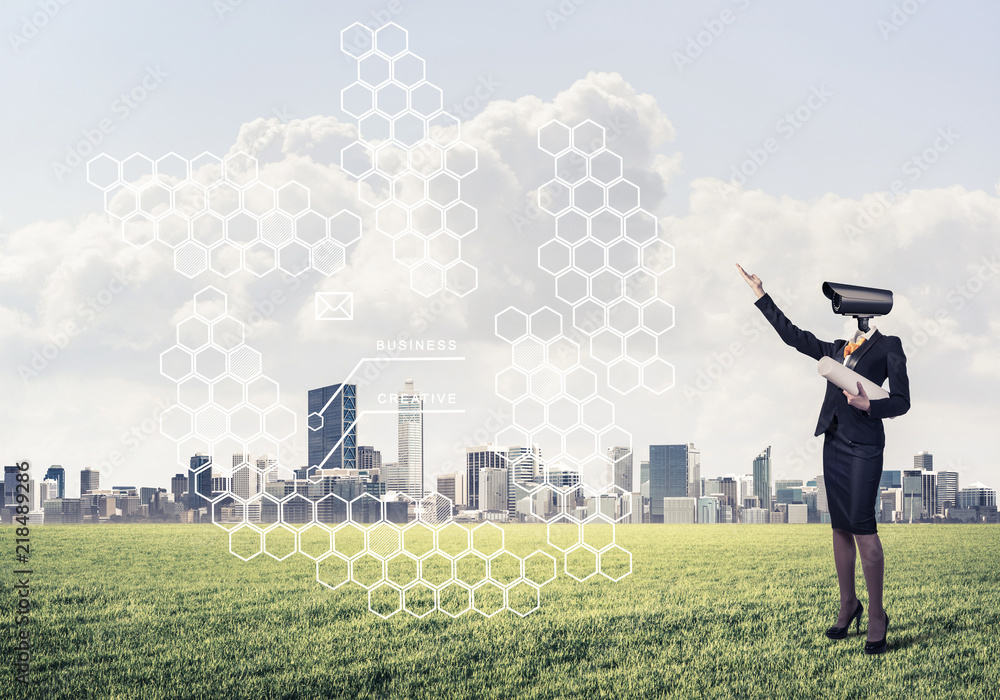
452,486
730,490
57,474
9,486
477,459
524,470
947,491
913,494
977,494
891,503
411,442
821,503
493,489
923,461
393,478
787,484
788,491
929,507
711,486
530,468
199,481
47,490
90,480
891,479
565,477
247,481
668,477
621,468
333,430
369,457
221,482
266,466
694,471
178,485
762,478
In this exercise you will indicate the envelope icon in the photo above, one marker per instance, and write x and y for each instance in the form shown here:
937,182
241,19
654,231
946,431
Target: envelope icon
334,306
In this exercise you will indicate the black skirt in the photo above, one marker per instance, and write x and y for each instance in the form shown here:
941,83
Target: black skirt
851,473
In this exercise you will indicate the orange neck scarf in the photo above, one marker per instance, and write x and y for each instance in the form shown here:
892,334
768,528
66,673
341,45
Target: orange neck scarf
851,347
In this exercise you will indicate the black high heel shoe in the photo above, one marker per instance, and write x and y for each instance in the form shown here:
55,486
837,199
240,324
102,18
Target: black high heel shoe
878,647
841,632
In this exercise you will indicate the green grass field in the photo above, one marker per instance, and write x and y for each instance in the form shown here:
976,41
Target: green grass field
164,611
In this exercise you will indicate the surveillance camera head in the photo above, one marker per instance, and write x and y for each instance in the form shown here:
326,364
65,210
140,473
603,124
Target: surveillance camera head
860,302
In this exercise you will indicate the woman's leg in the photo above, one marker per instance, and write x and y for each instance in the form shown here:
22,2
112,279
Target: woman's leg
866,470
843,559
873,566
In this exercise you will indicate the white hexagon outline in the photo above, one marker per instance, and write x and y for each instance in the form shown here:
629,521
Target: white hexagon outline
574,549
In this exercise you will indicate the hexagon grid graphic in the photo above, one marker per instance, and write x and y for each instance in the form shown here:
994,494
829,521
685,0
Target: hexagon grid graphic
574,439
218,214
228,409
409,160
607,257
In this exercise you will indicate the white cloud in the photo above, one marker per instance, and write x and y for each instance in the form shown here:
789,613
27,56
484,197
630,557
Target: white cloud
925,248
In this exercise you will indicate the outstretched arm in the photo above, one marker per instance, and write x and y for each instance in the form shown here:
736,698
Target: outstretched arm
803,341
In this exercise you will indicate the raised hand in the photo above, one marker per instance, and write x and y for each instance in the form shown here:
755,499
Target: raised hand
754,281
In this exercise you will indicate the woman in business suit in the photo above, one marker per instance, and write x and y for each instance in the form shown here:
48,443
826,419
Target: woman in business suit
852,456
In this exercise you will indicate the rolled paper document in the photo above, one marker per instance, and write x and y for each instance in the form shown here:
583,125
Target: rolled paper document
847,379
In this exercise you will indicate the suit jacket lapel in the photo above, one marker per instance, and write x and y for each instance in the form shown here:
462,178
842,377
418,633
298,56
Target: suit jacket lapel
856,356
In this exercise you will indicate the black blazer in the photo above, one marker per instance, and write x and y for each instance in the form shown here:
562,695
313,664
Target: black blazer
876,359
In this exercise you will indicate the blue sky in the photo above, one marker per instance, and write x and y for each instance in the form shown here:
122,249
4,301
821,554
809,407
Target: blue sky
887,94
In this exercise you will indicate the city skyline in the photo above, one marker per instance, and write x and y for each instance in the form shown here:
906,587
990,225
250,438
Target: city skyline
409,471
827,183
904,495
637,473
